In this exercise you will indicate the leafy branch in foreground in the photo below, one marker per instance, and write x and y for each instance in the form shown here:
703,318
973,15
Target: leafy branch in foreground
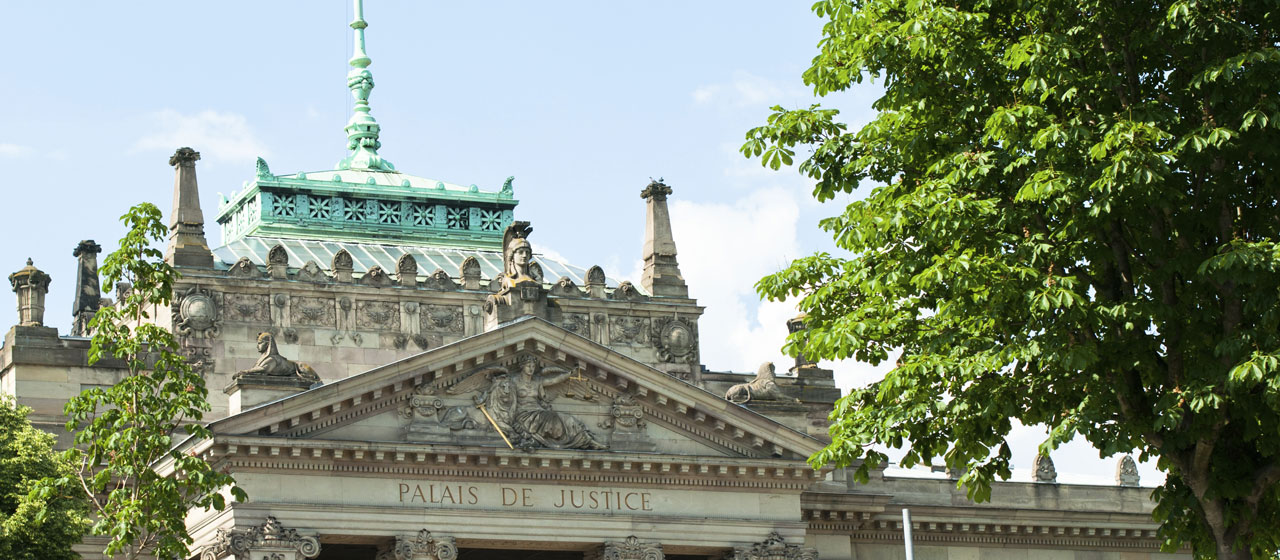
140,487
1071,221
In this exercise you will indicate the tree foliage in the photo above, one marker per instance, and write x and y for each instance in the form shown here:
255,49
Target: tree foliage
140,486
1072,221
34,526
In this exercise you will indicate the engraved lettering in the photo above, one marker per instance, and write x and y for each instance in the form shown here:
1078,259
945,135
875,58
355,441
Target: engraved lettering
474,493
527,495
509,496
404,489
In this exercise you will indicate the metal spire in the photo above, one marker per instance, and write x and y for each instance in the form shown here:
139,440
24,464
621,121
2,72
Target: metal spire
362,129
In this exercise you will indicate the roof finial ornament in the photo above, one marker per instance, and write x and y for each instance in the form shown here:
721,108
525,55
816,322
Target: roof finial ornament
362,129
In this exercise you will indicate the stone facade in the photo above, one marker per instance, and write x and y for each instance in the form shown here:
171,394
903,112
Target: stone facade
395,373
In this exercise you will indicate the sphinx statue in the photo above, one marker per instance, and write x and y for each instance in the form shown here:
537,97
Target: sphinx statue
763,387
273,364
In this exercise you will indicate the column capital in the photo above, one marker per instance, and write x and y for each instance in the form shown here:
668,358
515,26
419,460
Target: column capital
629,548
774,547
271,538
422,546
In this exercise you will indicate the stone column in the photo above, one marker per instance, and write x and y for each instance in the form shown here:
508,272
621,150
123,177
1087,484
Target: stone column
269,541
88,287
661,276
187,244
31,284
629,548
423,546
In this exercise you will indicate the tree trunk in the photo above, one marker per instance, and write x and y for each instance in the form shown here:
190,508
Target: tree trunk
1227,551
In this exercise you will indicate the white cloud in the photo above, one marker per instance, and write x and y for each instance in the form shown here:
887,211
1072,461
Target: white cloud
14,150
748,90
217,136
724,248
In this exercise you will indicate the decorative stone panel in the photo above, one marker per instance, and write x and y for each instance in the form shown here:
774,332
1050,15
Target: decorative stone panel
676,340
442,319
313,312
246,308
378,315
629,330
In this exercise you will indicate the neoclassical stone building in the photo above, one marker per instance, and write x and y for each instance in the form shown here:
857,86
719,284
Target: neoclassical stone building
396,373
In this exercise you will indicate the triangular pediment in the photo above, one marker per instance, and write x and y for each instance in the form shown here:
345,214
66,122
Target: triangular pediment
531,385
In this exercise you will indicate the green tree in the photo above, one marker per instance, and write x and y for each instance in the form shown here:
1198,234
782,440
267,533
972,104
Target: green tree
34,526
140,487
1071,220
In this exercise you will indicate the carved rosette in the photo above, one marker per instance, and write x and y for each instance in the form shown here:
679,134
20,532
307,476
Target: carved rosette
195,313
629,548
773,548
425,546
675,339
269,540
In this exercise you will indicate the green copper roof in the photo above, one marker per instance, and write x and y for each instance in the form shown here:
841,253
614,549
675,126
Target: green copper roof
365,199
368,206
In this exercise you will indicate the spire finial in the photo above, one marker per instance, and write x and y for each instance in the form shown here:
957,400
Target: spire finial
362,129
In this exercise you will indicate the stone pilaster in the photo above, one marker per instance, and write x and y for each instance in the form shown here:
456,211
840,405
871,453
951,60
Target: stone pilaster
187,244
662,276
271,540
31,285
773,548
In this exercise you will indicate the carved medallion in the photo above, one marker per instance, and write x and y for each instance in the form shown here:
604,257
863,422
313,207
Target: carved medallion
247,308
313,312
675,340
377,315
195,313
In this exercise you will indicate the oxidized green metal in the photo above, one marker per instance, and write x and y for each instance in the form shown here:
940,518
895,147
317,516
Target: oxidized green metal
362,129
366,200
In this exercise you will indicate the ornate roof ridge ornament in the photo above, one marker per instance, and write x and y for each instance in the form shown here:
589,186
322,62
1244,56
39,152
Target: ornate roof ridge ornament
362,129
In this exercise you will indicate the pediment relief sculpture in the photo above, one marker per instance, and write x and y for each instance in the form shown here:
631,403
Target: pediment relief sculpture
763,387
520,404
272,364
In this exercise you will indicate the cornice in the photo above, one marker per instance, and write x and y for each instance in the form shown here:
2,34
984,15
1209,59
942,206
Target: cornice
268,454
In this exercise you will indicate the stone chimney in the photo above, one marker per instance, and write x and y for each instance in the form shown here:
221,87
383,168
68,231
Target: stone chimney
187,244
31,284
88,287
662,276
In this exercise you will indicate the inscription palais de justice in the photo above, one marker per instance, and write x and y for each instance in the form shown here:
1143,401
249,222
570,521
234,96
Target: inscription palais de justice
525,497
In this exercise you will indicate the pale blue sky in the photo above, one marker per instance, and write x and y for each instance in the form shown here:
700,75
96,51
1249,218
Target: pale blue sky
581,101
